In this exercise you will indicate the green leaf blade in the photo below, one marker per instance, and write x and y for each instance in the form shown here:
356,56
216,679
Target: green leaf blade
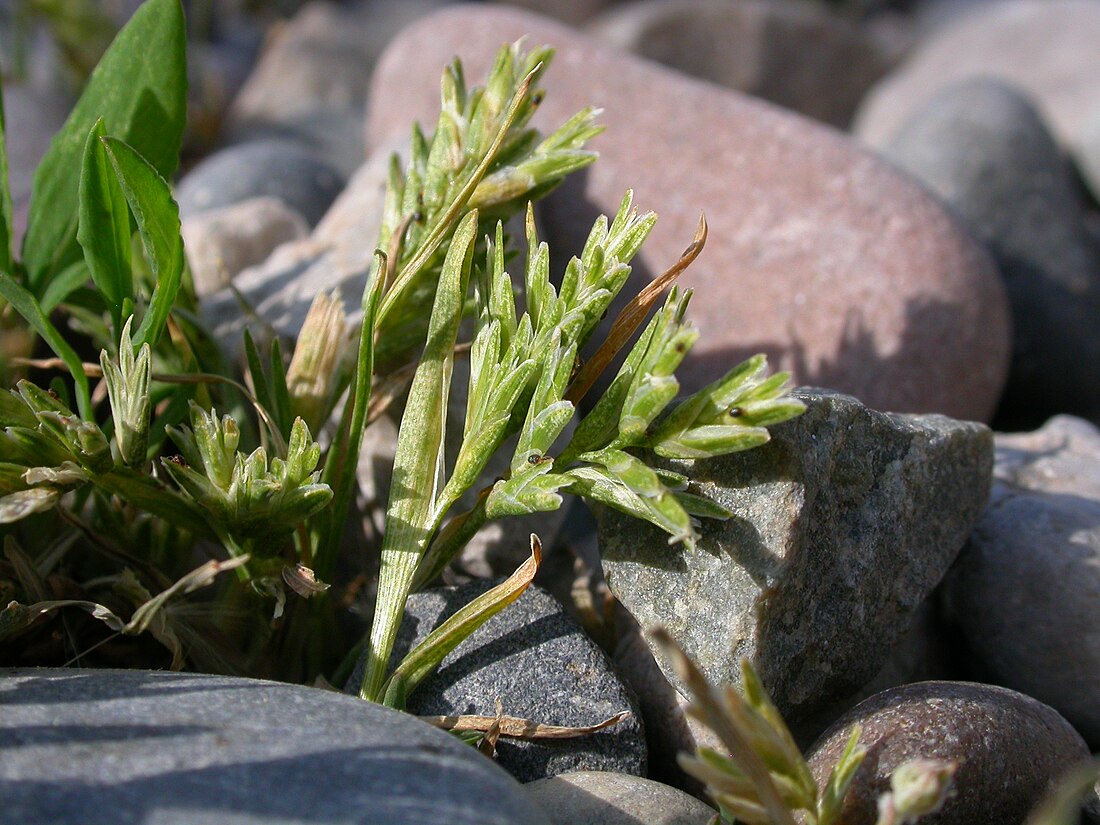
157,215
418,462
140,89
26,305
103,230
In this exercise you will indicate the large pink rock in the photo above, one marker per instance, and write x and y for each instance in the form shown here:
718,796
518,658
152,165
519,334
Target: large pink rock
820,254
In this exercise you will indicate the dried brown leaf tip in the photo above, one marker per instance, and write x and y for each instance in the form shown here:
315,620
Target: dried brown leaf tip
632,316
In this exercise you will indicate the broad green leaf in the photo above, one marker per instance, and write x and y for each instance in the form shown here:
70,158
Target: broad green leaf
139,88
419,459
157,216
426,656
104,225
7,232
26,305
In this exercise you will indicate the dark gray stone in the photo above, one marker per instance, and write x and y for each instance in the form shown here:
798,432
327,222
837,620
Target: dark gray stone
797,54
983,148
1045,47
604,798
1009,748
843,523
270,168
542,666
1026,588
139,748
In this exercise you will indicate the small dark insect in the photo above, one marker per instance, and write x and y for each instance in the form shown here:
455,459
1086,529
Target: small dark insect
534,458
681,346
53,394
736,412
177,460
537,97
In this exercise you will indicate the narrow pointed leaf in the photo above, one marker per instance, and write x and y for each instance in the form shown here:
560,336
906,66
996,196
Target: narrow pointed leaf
419,458
426,656
104,225
150,200
26,305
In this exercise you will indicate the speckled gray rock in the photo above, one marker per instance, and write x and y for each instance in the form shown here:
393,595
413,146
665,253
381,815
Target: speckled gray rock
272,168
982,147
820,254
1061,72
796,54
1026,588
604,798
843,523
1010,749
139,748
542,666
222,242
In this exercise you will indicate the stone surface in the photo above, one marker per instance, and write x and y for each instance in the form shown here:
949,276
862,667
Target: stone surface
222,242
1010,749
336,256
982,147
312,78
541,666
843,523
267,168
140,748
819,254
568,11
604,798
794,53
1061,72
1088,154
1026,588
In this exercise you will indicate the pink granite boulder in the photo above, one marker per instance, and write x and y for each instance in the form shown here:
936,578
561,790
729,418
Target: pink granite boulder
820,254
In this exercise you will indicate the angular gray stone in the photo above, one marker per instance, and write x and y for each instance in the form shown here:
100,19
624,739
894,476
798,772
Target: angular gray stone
820,254
604,798
102,747
542,666
794,53
272,168
1061,71
982,147
1009,748
843,523
1026,588
223,242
